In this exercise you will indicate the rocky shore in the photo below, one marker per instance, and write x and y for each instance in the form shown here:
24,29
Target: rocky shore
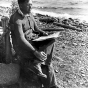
70,52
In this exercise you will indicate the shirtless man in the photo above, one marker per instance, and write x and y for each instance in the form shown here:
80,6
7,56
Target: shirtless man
22,25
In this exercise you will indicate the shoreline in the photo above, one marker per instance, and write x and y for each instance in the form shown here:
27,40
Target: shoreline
50,17
57,15
5,7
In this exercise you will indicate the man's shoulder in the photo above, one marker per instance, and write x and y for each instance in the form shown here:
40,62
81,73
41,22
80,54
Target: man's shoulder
15,17
32,16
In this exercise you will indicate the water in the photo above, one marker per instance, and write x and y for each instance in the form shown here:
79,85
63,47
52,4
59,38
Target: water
62,8
58,8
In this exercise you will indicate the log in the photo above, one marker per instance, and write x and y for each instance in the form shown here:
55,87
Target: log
53,29
67,26
46,19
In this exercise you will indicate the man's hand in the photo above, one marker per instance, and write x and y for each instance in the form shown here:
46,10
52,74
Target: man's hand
40,55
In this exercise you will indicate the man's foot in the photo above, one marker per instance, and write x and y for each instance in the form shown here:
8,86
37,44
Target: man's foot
42,75
37,70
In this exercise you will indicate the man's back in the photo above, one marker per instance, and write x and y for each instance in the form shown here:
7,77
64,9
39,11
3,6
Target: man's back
18,19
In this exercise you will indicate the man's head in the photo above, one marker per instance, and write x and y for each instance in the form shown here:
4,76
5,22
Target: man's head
25,5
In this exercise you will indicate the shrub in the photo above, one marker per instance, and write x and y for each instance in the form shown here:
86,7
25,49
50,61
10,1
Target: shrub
14,7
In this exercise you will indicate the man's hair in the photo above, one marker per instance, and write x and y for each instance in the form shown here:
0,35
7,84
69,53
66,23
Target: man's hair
21,1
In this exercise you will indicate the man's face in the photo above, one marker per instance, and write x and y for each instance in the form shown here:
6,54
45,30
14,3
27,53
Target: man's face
27,6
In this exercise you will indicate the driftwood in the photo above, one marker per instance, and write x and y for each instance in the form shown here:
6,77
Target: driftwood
46,19
50,20
53,29
67,26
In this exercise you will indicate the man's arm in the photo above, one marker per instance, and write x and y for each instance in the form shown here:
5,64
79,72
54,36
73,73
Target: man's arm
36,28
24,43
21,38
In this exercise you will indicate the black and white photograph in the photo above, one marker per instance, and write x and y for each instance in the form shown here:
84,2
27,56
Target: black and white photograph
43,44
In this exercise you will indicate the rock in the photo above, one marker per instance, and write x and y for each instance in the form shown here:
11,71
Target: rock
9,73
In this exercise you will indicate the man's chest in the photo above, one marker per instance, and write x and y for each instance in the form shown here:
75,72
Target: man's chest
27,23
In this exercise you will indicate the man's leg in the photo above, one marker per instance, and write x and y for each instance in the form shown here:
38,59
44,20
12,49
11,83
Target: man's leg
48,68
51,76
50,81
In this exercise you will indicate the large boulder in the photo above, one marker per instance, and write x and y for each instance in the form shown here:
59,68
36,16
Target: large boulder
9,73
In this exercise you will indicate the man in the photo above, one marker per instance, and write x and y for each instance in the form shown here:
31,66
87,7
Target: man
22,24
